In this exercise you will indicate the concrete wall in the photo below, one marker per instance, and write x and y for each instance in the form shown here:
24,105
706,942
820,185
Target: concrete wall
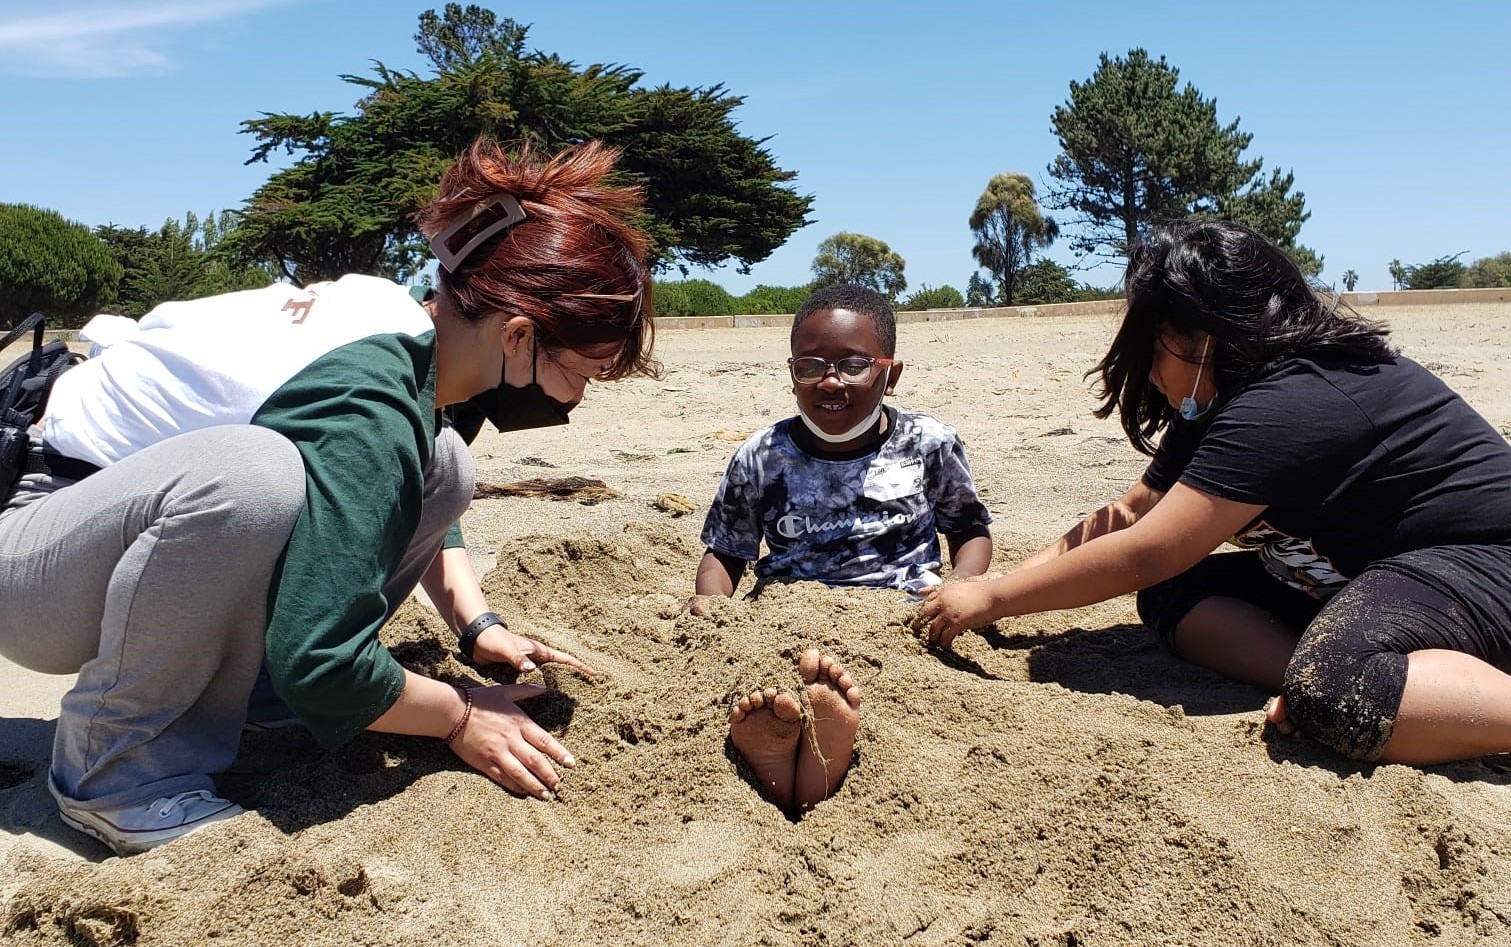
1429,297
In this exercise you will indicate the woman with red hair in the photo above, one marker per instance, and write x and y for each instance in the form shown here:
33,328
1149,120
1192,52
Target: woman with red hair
259,479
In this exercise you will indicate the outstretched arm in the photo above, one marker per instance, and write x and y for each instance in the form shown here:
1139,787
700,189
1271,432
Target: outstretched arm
718,574
1170,538
1119,514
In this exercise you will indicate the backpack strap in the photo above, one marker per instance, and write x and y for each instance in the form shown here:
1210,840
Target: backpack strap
32,323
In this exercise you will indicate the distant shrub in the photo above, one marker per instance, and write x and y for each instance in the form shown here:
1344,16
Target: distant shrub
1045,281
772,300
1085,293
931,297
1487,272
693,297
53,266
1443,273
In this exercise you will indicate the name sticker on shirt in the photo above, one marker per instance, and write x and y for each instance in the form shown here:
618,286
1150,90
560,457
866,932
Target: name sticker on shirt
894,482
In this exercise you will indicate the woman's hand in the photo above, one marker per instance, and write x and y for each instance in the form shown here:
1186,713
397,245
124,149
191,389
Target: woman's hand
956,607
499,645
505,745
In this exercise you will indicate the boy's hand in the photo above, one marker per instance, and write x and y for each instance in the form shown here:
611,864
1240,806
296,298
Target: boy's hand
698,605
949,610
499,645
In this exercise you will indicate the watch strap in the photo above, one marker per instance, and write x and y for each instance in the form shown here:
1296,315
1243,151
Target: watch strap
467,640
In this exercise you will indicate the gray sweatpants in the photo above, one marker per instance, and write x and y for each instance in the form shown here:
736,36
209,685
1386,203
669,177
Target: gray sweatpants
150,580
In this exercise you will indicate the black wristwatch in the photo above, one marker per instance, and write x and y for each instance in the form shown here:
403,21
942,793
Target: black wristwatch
467,640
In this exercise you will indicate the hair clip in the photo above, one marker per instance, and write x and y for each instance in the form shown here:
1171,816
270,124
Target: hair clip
637,297
440,244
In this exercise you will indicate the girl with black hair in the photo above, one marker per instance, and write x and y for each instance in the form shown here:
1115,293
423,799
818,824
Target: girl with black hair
1373,503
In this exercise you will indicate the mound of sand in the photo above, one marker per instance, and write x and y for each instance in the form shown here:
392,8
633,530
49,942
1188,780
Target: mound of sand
1057,780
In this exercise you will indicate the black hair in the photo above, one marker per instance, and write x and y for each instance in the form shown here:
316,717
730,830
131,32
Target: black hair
867,302
1224,279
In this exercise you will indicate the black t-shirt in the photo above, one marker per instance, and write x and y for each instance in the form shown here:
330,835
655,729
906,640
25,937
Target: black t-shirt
1354,464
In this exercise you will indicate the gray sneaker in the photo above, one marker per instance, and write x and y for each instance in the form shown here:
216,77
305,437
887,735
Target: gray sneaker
137,828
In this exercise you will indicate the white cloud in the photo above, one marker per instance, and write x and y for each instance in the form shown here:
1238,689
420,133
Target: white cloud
124,38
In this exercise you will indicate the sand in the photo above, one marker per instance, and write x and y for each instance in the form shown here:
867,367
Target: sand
1057,780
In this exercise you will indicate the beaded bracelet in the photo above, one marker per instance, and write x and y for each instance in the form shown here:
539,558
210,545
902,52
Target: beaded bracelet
461,724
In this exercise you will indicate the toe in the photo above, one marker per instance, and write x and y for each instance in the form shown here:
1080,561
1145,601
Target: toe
786,707
808,665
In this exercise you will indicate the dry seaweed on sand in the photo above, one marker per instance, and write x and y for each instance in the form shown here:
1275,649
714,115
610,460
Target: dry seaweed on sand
582,489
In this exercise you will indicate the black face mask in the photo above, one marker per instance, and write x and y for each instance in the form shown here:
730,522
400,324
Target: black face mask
510,408
516,409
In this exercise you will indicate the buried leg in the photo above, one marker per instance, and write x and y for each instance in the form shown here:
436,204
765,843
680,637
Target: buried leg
823,755
764,727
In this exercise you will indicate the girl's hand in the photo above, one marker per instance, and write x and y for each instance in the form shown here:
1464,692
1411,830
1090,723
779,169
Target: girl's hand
505,745
499,645
949,610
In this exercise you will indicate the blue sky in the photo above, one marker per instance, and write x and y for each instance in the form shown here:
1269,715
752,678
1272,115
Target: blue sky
1392,115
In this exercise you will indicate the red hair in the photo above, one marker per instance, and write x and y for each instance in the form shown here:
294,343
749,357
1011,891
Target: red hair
577,237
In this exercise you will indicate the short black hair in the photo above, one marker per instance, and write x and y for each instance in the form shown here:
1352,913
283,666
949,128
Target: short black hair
867,302
1224,279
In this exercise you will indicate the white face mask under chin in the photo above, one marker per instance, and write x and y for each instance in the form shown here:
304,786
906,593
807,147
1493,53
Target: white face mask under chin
840,438
1188,406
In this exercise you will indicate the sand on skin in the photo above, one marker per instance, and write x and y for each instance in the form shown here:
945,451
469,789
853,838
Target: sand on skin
1057,780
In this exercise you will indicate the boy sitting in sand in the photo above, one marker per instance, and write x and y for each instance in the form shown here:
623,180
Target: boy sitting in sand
850,493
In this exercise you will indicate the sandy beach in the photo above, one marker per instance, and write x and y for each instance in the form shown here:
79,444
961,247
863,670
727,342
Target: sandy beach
1056,780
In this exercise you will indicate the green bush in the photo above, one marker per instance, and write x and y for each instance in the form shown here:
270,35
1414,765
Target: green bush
1443,273
693,297
1087,293
772,300
53,266
1045,281
930,297
1487,272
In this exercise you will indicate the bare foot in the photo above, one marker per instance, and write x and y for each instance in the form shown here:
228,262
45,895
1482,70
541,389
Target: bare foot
828,740
764,727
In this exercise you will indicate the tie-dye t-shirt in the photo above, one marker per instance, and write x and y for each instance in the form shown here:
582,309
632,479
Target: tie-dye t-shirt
873,520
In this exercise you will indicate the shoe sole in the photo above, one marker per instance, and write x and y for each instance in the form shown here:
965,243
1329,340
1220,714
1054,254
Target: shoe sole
120,848
142,841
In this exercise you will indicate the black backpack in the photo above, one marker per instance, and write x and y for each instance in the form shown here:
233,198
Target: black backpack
24,387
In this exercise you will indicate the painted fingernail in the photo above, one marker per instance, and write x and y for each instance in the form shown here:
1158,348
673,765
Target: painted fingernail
527,665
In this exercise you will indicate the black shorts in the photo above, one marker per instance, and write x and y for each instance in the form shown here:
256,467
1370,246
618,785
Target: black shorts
1345,680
